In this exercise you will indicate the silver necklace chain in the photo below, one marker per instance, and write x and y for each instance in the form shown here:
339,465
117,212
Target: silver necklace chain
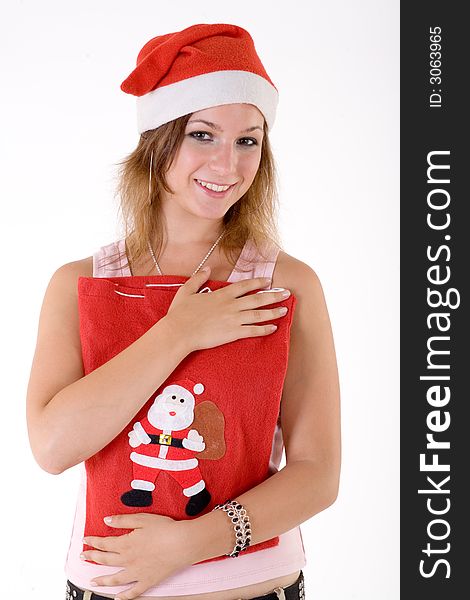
199,265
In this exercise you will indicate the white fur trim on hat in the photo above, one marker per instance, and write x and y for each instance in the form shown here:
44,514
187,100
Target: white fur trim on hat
204,91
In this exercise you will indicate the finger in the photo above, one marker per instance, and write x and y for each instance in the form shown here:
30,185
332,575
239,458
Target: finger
109,543
261,299
247,317
256,330
112,559
127,521
119,578
195,281
134,592
239,288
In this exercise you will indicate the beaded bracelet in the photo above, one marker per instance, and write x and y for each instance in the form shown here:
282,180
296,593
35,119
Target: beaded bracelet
241,525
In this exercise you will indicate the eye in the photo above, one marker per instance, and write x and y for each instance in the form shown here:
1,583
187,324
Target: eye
181,399
253,141
173,397
197,135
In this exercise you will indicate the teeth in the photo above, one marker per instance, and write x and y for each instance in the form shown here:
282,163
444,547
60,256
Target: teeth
212,186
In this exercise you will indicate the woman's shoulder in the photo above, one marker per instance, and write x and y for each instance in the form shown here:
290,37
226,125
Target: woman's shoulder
65,277
60,297
85,267
295,275
77,268
311,313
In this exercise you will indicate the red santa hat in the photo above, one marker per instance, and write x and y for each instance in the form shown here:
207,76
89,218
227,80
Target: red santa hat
196,68
189,386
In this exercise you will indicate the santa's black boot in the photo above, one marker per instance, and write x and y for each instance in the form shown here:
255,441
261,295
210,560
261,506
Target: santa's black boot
198,502
137,498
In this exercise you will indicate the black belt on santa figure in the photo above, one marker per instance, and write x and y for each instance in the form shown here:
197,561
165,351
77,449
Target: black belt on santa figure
157,439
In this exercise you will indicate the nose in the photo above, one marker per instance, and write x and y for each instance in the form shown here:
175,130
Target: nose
223,160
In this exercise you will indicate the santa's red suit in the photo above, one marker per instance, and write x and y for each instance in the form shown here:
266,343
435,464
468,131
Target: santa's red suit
165,450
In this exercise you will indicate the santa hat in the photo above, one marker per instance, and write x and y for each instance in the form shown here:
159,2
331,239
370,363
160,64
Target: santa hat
197,68
188,385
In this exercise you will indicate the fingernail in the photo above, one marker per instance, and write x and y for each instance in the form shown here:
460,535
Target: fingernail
82,556
108,520
285,293
273,327
283,310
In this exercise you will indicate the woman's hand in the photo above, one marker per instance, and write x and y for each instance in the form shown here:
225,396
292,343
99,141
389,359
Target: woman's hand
206,320
155,549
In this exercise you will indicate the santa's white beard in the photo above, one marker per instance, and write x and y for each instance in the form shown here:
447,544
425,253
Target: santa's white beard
161,419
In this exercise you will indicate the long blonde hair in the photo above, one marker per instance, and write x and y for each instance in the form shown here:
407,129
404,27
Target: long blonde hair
253,216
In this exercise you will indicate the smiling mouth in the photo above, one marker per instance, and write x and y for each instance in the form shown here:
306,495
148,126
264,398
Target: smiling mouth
218,191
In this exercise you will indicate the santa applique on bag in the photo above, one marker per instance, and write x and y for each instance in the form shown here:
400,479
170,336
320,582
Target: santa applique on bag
169,441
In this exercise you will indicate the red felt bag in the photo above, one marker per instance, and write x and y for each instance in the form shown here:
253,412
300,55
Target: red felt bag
205,435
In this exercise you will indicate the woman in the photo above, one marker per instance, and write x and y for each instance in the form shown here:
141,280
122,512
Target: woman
198,201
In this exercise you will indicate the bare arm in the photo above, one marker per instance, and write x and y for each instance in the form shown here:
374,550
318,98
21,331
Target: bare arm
310,418
71,416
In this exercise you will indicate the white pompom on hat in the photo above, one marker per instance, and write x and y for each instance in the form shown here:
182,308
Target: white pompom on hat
190,386
199,67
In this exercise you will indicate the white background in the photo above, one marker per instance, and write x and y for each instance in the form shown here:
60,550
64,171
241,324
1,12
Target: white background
65,123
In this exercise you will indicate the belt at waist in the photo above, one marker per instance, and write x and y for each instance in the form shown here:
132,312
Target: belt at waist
295,591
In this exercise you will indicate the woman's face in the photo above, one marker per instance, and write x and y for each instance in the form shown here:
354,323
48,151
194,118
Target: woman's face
221,146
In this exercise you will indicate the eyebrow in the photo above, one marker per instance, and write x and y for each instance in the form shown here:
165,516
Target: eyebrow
218,128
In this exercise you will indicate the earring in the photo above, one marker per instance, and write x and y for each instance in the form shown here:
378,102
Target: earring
150,179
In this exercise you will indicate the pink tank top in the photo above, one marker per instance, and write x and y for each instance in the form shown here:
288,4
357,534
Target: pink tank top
285,558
